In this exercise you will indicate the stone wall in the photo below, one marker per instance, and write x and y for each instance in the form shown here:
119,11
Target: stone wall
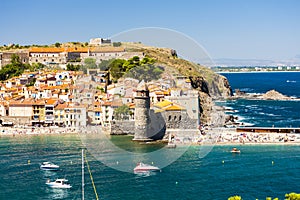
122,127
179,120
16,120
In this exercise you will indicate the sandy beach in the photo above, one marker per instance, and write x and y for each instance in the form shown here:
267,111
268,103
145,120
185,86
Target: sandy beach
214,136
12,131
230,136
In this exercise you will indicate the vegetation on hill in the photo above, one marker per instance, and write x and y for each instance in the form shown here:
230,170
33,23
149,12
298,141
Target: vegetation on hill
16,68
209,84
135,68
141,69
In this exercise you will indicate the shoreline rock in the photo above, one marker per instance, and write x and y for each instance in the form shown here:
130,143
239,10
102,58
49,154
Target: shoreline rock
269,95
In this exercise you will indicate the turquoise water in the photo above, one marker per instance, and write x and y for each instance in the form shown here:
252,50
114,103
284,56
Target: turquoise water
266,113
250,174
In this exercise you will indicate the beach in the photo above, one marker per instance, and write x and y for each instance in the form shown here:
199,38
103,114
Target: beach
13,131
219,136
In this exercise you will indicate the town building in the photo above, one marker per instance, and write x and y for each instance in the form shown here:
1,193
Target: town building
5,57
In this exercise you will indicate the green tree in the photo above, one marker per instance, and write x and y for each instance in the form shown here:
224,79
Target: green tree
104,65
117,44
15,68
121,112
31,83
90,63
71,67
135,68
57,44
145,72
116,68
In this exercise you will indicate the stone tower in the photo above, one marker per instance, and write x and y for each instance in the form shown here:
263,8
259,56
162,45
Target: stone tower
141,113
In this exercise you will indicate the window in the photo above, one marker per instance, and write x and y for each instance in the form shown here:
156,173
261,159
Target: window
170,118
179,117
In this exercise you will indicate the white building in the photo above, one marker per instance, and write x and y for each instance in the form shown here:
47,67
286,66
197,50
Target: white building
188,99
99,41
75,115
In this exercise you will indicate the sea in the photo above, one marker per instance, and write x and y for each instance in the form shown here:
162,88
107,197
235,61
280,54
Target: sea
266,113
259,171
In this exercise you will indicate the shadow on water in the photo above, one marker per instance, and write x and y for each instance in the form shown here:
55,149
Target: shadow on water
126,143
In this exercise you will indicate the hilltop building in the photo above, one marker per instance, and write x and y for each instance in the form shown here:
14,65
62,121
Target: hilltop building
99,41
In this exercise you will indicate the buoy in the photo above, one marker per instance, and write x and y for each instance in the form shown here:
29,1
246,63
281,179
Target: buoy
152,163
223,161
28,161
117,162
272,162
176,183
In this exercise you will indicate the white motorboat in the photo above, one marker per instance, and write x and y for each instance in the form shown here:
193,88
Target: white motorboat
235,150
59,183
49,166
141,167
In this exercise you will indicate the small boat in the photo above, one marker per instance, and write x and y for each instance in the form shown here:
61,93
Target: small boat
49,166
171,143
141,167
235,150
60,183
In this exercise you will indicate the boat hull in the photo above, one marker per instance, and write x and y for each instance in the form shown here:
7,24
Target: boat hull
50,168
59,186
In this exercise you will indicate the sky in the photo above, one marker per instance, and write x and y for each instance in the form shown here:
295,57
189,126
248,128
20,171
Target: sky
239,29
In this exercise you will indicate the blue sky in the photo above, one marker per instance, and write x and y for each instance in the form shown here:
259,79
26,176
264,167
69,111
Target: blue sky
245,29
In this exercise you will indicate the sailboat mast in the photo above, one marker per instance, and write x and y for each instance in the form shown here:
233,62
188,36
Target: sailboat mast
82,173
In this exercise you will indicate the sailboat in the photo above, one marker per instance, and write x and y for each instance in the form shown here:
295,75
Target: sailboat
82,175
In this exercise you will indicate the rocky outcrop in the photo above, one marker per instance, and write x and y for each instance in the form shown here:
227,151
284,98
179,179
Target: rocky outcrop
270,95
274,95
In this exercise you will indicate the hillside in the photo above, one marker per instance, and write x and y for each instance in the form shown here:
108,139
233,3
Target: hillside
210,84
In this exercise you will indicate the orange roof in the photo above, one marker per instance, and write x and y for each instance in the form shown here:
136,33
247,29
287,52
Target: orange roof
97,109
51,101
74,49
45,50
131,105
106,103
174,108
38,102
61,106
26,102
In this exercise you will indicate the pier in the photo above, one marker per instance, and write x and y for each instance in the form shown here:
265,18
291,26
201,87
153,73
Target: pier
268,130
